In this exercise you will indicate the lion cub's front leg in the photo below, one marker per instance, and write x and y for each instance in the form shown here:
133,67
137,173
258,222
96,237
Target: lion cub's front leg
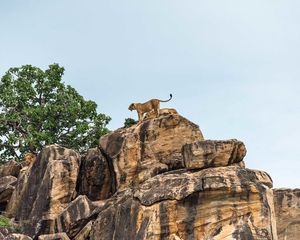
140,115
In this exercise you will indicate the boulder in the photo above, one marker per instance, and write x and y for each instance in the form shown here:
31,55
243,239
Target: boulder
85,232
17,236
4,232
94,179
147,148
287,209
11,168
205,154
19,190
56,236
214,203
75,216
7,186
45,189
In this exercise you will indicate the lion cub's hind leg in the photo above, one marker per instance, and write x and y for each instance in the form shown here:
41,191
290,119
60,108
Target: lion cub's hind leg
156,108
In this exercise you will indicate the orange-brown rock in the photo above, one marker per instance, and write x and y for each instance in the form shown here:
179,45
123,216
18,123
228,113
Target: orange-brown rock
287,209
56,236
148,148
215,203
75,216
94,179
22,184
85,232
7,186
205,154
45,189
11,168
17,236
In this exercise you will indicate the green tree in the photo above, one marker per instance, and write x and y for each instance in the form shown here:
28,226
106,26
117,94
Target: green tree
37,108
129,122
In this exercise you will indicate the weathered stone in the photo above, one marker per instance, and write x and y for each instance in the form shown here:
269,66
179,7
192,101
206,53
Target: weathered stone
287,209
75,216
45,189
205,154
85,232
94,179
11,168
239,164
148,148
17,236
215,203
56,236
4,232
21,186
7,186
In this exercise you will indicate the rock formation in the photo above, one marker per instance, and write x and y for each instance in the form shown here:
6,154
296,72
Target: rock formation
7,186
158,179
147,149
45,189
94,178
216,203
287,209
11,168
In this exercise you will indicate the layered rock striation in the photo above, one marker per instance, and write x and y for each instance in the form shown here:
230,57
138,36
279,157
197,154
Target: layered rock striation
159,179
287,209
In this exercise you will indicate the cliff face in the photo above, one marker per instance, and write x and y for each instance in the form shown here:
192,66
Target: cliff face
287,209
219,203
158,179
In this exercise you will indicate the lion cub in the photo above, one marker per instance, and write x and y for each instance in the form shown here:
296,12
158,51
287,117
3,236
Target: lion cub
142,108
163,111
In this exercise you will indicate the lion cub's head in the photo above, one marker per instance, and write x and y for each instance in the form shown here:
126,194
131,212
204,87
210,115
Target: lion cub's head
132,107
29,158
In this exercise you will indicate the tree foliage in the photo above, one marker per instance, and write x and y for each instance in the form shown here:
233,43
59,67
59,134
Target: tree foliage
129,122
37,109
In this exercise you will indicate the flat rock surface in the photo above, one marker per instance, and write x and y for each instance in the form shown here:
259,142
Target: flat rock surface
56,236
209,153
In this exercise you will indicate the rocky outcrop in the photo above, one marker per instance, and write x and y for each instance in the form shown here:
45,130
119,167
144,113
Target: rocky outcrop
217,203
287,209
7,186
94,178
205,154
45,189
17,236
157,180
75,216
56,236
148,148
11,168
85,232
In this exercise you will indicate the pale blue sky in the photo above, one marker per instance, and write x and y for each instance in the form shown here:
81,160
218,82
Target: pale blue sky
232,66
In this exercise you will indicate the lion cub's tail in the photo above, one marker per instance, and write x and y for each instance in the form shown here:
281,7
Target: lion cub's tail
168,99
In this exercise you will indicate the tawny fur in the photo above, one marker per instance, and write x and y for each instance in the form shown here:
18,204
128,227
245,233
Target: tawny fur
163,111
151,105
29,158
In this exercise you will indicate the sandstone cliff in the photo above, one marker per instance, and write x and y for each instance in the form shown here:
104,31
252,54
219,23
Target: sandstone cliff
287,209
159,179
